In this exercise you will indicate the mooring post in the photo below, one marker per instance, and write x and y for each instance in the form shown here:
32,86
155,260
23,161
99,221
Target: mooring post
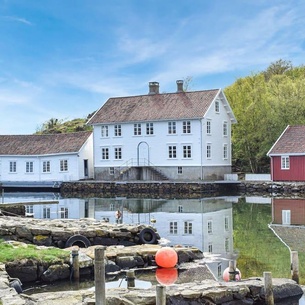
130,277
99,276
295,266
232,270
268,288
161,295
75,263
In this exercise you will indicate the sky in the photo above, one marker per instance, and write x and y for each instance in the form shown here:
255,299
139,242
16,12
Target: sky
64,58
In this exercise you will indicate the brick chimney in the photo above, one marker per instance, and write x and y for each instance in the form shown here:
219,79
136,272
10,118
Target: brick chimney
153,88
179,85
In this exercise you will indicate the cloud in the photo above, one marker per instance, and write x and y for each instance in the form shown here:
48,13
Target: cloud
17,19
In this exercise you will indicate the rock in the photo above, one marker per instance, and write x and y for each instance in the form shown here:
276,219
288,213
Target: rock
25,270
56,272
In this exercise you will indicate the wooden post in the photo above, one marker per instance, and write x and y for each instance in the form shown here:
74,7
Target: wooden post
99,276
295,266
268,288
75,263
232,271
130,278
161,295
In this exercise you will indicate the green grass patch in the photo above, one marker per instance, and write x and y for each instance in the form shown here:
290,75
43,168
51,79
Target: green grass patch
9,253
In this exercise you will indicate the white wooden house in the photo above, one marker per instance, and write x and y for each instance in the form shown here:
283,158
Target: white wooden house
52,157
176,136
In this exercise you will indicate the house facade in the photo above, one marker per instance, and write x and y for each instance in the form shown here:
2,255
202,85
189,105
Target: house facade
52,157
287,155
176,136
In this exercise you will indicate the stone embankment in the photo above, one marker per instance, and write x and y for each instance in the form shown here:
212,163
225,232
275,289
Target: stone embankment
82,232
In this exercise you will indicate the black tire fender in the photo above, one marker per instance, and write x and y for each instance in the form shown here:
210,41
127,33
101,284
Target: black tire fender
148,236
78,240
16,284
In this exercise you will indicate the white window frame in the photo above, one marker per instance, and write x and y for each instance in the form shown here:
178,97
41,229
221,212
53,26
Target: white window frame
13,166
227,244
118,153
46,213
173,227
104,131
225,129
217,106
149,128
29,167
172,128
209,151
46,166
179,170
286,217
186,127
225,151
285,162
111,170
209,127
63,166
172,151
117,130
226,223
137,129
188,227
187,151
210,227
105,153
210,247
64,212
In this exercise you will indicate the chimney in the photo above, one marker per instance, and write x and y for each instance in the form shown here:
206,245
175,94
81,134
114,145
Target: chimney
153,88
179,86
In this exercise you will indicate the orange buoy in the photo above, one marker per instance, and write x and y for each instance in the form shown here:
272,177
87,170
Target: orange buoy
166,276
166,257
226,275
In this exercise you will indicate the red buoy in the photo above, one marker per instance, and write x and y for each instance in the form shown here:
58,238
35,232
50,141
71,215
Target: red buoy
226,275
166,257
166,276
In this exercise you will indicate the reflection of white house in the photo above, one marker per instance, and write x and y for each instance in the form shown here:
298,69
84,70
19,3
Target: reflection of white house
179,136
52,157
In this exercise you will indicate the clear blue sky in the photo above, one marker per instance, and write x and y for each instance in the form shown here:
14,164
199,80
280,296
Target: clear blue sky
64,58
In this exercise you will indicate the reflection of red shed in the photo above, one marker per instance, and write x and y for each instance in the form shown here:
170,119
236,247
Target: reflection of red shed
287,155
288,211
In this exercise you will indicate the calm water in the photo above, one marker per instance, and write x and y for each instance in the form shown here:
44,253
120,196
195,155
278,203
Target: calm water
231,227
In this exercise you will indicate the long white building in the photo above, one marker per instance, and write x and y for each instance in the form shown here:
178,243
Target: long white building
176,136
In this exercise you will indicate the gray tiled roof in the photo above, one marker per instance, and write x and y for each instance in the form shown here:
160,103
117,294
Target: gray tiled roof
292,141
154,107
42,144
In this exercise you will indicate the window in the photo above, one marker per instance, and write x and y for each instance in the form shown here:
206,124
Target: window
227,244
105,153
225,151
179,170
104,131
111,171
118,153
117,130
219,270
171,127
64,212
210,248
46,213
180,209
63,165
29,167
46,166
149,128
13,166
210,227
187,151
29,209
217,106
188,227
173,227
186,127
286,217
285,162
227,223
209,151
209,127
225,129
172,152
137,129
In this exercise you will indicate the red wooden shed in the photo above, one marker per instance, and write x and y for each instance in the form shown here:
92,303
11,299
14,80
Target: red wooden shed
287,155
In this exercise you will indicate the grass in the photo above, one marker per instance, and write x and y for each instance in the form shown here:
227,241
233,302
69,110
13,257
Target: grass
9,253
